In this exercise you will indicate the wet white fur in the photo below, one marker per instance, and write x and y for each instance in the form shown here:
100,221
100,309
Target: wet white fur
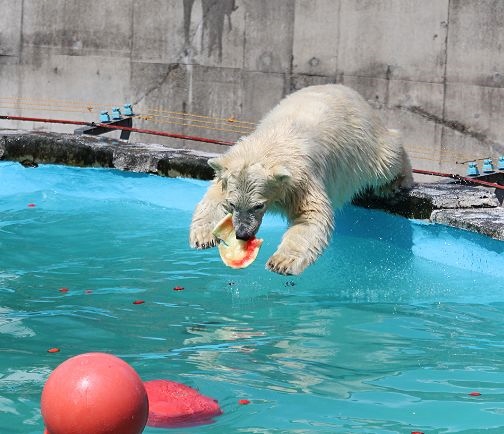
315,151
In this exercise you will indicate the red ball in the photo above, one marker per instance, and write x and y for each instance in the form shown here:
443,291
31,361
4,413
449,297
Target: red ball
94,393
173,404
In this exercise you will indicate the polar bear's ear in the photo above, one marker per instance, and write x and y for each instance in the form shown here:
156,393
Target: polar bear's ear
216,164
281,173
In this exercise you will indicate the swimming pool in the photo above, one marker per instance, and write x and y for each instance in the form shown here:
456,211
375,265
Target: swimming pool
389,332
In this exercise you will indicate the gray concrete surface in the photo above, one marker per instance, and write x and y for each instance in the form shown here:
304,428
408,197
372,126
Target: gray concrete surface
434,68
477,209
32,149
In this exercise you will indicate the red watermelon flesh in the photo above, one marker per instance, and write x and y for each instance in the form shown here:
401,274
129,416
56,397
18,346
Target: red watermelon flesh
173,404
235,253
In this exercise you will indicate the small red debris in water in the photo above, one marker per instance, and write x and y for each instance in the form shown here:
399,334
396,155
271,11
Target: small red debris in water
53,350
63,290
31,205
417,432
475,394
243,402
139,302
178,288
88,291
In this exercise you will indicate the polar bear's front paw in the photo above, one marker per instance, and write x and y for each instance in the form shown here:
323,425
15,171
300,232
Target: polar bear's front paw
202,237
286,264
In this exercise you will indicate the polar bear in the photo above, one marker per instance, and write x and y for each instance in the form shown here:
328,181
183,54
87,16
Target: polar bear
315,151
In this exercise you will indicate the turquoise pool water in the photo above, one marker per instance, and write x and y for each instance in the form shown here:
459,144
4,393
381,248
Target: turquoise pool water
389,332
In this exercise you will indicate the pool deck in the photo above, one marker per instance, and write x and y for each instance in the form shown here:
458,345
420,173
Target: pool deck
474,208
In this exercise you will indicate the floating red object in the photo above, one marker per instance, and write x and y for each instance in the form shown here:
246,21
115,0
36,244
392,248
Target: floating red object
475,394
173,404
63,290
53,350
94,393
31,205
178,288
417,432
139,302
243,402
88,291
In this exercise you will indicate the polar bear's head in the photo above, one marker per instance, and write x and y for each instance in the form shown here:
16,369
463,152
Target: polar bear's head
249,190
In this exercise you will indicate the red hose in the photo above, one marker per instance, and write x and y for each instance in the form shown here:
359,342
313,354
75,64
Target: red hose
119,127
50,121
460,178
162,133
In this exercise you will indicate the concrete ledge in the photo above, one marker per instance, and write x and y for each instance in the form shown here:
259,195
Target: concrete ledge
489,221
476,209
75,150
467,207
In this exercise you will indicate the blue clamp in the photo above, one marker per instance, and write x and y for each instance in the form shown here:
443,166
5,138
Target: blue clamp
104,117
487,165
116,113
501,163
128,110
472,169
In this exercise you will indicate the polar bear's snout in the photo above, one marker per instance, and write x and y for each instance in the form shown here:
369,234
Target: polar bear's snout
245,225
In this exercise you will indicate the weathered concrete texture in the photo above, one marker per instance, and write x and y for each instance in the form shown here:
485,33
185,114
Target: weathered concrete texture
489,221
10,23
474,208
53,148
444,195
424,198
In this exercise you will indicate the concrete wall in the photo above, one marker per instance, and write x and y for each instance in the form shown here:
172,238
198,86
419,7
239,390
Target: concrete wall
435,68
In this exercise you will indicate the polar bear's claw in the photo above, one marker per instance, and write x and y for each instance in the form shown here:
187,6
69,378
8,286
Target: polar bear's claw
286,265
201,239
205,245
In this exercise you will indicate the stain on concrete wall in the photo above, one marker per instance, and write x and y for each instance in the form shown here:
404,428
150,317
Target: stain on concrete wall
216,14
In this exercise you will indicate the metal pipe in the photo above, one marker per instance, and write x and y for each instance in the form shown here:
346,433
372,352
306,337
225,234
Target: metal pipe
118,127
459,178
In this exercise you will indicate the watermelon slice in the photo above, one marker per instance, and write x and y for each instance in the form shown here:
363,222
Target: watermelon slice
174,405
235,253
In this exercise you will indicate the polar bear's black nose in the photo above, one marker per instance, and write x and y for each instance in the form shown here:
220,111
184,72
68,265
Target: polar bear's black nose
243,235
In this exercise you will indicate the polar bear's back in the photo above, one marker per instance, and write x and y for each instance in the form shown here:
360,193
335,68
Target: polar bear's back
330,112
340,133
326,99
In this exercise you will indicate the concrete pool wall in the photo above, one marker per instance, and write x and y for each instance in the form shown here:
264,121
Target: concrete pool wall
473,208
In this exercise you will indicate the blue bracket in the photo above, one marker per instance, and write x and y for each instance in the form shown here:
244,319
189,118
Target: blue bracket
117,119
128,110
501,163
487,165
104,117
116,113
472,169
